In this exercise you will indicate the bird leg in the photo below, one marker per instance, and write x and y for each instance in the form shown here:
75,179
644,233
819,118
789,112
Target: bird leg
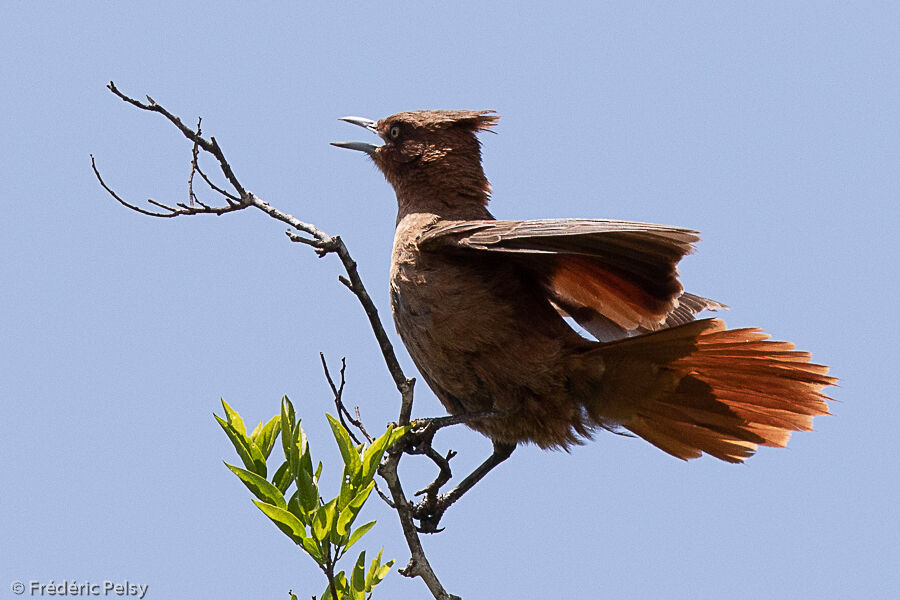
431,508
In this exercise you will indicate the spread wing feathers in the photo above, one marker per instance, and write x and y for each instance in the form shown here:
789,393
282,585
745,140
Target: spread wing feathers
606,330
688,306
722,392
599,271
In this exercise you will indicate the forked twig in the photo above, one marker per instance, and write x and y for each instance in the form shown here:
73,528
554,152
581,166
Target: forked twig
344,415
419,440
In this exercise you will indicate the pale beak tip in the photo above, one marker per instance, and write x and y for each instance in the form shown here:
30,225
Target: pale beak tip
362,122
369,149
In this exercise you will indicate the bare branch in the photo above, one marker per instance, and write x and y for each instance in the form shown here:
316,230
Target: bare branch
321,241
418,441
170,211
430,510
194,152
338,392
429,504
418,565
216,188
362,427
208,145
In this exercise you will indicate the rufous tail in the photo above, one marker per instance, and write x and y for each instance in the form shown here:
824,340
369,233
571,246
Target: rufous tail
699,388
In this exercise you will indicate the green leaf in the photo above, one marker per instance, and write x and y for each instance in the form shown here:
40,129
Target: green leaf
248,452
318,472
234,419
383,572
377,571
286,522
308,491
396,434
287,426
305,464
358,533
293,595
264,436
348,451
296,451
282,478
313,548
373,569
372,456
348,514
323,520
296,509
340,582
358,578
348,491
261,488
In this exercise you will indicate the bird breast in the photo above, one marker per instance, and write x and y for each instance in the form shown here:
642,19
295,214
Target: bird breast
462,318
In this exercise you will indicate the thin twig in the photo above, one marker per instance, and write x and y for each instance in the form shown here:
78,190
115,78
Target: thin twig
195,150
429,511
325,244
321,241
359,423
430,503
210,145
228,196
338,391
171,212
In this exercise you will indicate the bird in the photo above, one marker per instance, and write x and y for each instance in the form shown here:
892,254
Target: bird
486,309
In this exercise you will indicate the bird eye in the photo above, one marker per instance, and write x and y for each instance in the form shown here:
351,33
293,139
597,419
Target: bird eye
394,132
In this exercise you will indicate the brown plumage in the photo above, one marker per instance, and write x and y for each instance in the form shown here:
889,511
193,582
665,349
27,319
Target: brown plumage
480,305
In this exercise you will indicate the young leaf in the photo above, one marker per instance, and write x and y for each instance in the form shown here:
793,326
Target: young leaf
358,578
348,451
314,550
382,572
377,571
287,426
234,419
323,520
286,522
305,464
376,563
348,490
264,436
358,533
282,478
372,456
248,452
348,514
308,491
396,434
295,508
261,488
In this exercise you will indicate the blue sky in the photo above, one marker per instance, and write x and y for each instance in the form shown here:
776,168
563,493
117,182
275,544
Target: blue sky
773,128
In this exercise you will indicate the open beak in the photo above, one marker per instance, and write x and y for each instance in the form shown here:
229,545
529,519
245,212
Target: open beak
361,146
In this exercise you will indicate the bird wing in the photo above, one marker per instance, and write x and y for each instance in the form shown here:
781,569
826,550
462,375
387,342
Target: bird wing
612,277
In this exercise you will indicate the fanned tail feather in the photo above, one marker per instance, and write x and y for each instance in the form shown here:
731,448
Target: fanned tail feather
703,388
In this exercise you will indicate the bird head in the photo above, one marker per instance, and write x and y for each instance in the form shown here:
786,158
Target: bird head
430,156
